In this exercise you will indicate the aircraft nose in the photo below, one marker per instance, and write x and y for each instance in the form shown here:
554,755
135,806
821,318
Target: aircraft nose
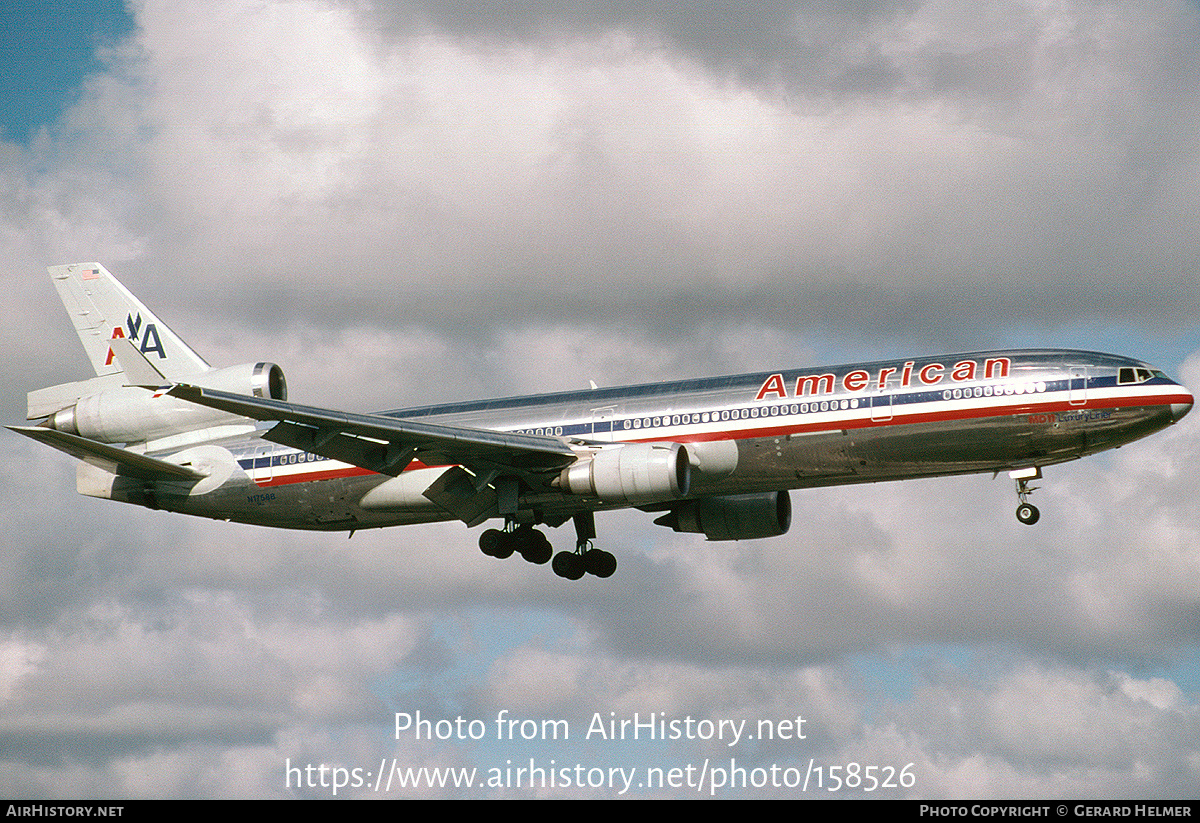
1178,410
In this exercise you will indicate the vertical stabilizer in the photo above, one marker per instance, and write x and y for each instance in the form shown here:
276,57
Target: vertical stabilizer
101,309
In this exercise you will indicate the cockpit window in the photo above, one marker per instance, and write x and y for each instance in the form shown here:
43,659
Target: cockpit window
1130,374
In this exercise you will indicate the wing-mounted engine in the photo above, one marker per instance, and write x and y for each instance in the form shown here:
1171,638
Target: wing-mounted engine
732,517
105,410
630,473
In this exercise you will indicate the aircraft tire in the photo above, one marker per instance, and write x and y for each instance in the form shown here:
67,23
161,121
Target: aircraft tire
599,562
1028,513
533,545
568,565
491,541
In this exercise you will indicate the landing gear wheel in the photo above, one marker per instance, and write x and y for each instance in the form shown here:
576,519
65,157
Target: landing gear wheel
491,542
599,562
1028,513
533,545
568,565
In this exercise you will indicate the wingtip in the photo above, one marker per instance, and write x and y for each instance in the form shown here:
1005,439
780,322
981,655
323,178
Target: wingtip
67,269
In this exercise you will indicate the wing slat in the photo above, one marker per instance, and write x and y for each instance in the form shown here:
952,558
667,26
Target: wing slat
387,444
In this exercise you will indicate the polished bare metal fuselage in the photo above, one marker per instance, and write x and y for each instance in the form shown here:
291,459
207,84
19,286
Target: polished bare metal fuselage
857,423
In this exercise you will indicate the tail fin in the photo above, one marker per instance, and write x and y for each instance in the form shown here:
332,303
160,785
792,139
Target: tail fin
101,309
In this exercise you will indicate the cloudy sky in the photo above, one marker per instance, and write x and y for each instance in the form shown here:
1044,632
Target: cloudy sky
414,202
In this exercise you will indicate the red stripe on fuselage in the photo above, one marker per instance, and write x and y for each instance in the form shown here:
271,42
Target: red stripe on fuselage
898,419
327,474
309,477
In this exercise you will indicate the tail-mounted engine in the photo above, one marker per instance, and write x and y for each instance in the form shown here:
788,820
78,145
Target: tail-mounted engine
732,517
132,414
630,473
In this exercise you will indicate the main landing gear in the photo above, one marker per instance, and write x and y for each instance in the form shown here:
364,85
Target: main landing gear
573,565
1027,513
524,540
532,544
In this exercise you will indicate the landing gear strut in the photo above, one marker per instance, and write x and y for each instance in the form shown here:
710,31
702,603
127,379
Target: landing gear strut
1027,513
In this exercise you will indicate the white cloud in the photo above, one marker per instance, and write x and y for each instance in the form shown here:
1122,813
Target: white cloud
373,171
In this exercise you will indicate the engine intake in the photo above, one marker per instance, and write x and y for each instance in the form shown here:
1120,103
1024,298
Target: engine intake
631,473
130,414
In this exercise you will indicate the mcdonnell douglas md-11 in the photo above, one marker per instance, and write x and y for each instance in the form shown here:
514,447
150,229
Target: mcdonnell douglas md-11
161,428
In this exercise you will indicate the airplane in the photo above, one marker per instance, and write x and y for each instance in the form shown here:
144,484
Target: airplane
159,427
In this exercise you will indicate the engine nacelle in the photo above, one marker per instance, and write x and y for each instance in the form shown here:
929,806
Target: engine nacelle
733,517
631,473
131,414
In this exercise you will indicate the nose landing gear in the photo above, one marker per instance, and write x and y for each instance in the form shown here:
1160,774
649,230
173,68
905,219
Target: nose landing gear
1027,513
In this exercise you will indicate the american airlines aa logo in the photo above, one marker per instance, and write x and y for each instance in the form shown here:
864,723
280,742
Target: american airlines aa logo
147,339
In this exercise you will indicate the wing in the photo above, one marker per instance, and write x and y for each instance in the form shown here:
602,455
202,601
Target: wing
387,444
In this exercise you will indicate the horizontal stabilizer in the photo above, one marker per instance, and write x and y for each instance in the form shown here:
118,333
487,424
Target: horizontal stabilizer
45,402
110,458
